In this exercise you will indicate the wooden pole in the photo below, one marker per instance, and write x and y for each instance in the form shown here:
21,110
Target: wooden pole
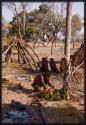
67,50
31,57
25,55
5,52
18,54
33,52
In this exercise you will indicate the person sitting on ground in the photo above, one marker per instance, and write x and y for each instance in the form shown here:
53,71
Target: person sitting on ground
53,66
63,66
44,65
41,80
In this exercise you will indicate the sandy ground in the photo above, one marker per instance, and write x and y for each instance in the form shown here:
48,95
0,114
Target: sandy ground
56,112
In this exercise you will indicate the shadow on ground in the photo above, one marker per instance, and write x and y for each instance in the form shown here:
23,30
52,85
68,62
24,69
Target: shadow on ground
15,88
64,115
68,114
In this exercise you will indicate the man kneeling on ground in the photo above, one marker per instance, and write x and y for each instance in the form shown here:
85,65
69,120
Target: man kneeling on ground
41,80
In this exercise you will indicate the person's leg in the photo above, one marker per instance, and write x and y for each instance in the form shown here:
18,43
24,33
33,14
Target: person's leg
35,88
57,71
46,81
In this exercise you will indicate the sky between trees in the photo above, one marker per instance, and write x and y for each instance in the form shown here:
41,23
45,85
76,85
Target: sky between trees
78,8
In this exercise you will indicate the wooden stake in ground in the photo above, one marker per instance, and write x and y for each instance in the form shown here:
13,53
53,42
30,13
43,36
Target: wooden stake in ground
18,54
67,50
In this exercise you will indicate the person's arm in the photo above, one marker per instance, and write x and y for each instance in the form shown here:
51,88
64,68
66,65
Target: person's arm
44,85
50,85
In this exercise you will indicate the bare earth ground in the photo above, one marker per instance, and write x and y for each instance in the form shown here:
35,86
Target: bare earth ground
56,111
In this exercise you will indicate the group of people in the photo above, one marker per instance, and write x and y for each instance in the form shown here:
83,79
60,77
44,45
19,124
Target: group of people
42,79
44,65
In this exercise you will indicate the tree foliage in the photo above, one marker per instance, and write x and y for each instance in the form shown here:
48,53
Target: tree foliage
33,19
42,18
43,8
76,24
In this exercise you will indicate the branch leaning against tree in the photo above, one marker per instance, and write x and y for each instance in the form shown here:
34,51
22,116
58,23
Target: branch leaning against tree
30,56
24,54
72,72
5,52
77,55
33,52
77,68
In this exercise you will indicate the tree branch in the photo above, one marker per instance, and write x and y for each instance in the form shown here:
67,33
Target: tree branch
77,68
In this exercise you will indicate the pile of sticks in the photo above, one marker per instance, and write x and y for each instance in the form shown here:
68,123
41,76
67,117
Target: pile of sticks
23,54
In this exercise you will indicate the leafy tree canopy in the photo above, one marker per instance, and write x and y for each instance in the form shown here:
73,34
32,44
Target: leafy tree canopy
76,24
44,8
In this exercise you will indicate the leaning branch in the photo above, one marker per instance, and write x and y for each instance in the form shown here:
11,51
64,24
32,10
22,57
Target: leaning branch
33,51
30,56
23,54
8,49
77,68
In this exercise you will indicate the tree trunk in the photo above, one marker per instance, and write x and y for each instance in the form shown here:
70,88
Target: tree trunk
73,42
24,21
18,54
67,50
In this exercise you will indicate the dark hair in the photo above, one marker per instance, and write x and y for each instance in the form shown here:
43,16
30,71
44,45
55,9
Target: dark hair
51,59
